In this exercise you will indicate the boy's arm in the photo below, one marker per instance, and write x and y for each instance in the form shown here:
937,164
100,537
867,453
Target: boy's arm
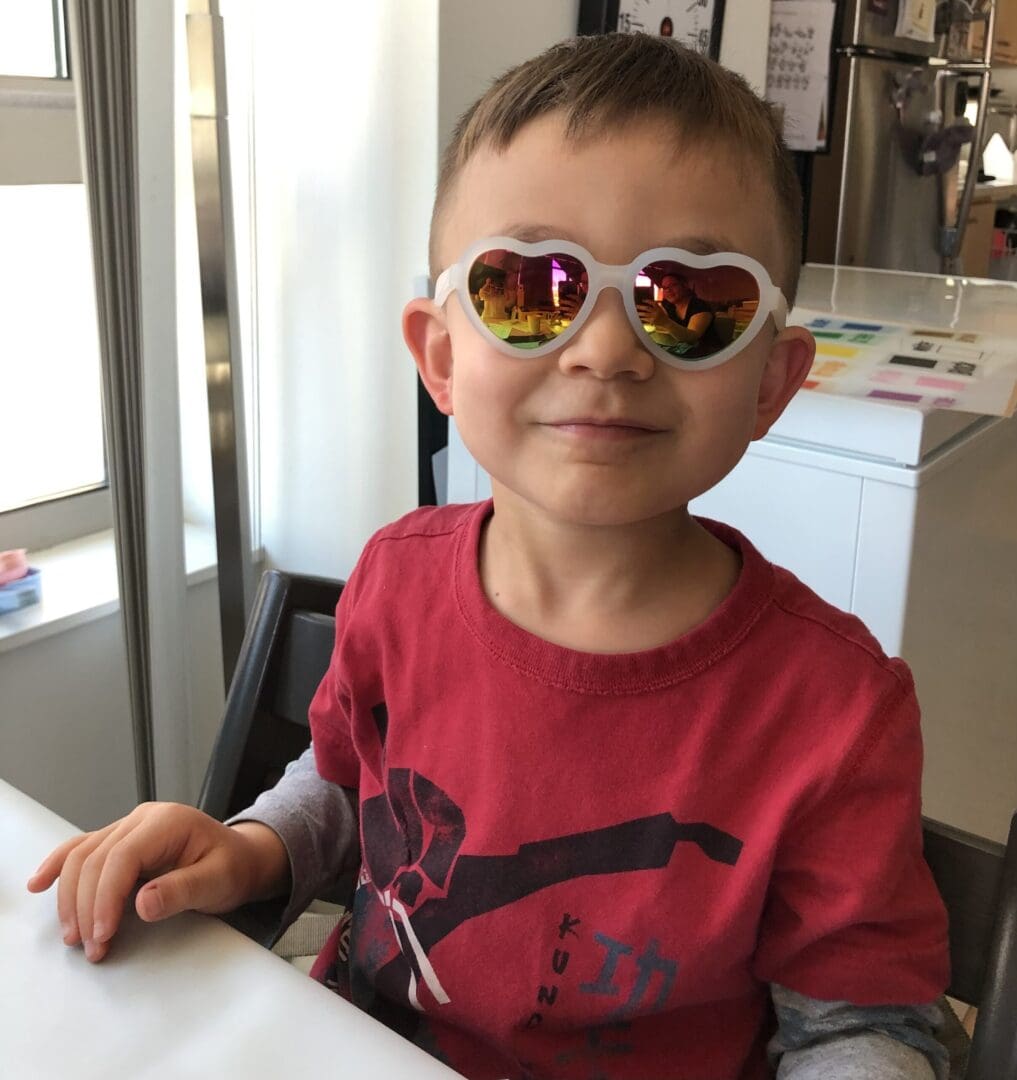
317,823
835,1040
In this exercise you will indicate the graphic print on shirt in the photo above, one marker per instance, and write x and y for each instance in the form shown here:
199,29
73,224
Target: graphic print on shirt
412,839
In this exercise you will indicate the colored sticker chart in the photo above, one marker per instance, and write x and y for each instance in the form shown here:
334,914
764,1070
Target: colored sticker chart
912,365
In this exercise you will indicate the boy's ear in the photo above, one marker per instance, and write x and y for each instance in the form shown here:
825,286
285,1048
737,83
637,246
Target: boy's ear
426,334
791,356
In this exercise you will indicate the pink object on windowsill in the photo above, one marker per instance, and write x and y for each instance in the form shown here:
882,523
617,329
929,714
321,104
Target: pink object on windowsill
13,565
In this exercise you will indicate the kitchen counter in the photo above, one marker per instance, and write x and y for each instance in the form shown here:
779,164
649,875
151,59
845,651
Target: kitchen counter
929,300
995,191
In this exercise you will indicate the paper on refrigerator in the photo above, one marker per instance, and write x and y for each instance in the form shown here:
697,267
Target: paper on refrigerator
798,69
916,20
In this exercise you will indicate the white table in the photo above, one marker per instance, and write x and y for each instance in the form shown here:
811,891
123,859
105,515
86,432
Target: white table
186,998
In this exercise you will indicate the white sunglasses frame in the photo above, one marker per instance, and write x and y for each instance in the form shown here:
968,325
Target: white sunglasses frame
772,301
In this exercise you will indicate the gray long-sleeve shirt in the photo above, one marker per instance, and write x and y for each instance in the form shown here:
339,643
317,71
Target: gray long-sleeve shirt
816,1040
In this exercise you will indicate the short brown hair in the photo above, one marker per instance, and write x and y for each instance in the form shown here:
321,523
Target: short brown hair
606,81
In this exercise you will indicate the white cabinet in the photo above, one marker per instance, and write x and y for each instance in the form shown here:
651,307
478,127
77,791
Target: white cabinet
926,556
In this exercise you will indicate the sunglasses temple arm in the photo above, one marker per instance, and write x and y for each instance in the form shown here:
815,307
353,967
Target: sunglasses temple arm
778,309
443,287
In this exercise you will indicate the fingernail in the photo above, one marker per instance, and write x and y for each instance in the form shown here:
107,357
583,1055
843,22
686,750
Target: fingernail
91,950
68,929
100,932
153,902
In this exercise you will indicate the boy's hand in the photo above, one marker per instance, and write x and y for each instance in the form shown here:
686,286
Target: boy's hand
194,863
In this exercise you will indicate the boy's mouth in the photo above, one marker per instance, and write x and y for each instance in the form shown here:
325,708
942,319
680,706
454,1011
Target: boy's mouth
615,427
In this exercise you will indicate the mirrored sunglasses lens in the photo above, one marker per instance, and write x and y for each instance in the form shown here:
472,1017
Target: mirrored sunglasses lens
693,312
527,300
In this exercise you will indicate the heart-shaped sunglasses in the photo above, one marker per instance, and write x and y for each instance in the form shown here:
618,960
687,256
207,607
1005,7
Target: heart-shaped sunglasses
690,311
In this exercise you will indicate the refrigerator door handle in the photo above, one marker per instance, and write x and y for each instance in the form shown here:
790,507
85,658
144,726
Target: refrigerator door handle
951,234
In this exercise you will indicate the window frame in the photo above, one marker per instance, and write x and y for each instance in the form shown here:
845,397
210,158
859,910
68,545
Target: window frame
57,519
47,150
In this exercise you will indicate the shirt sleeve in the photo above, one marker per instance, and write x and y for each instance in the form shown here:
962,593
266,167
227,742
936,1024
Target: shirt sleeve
329,713
317,823
835,1040
852,913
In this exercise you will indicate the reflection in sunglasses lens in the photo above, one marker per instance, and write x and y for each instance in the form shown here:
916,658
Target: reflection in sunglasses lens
693,312
527,300
690,312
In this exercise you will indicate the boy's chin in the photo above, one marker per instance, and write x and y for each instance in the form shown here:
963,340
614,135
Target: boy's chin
603,508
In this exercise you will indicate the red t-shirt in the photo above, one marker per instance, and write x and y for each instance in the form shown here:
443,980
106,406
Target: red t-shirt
581,865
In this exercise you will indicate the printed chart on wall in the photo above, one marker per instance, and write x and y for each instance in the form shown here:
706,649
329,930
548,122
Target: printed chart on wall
909,365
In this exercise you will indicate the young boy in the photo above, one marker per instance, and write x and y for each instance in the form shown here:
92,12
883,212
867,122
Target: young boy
627,793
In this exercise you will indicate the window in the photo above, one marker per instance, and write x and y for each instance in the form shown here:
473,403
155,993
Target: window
32,38
51,438
51,435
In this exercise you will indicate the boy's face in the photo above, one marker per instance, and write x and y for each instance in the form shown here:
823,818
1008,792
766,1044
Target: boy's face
598,432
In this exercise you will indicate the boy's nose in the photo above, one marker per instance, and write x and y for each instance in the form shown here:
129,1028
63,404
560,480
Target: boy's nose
606,346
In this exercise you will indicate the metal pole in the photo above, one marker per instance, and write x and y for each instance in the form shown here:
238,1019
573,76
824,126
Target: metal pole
216,255
60,61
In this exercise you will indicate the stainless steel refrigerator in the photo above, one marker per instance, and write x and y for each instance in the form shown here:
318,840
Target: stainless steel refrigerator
893,192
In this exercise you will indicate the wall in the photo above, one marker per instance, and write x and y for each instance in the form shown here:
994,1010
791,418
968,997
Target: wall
65,718
471,54
345,160
1005,78
37,116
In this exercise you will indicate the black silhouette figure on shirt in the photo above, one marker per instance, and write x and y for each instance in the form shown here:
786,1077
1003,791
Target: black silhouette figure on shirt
444,889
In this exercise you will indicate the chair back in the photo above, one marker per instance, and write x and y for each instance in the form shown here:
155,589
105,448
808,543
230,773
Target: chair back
977,879
284,655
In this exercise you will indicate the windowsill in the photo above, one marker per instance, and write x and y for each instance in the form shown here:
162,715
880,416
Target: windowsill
79,584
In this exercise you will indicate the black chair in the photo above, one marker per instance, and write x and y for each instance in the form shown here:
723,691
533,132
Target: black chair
977,879
285,652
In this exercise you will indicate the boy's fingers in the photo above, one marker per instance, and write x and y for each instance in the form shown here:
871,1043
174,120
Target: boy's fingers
97,871
121,870
88,882
50,867
112,871
96,950
67,886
